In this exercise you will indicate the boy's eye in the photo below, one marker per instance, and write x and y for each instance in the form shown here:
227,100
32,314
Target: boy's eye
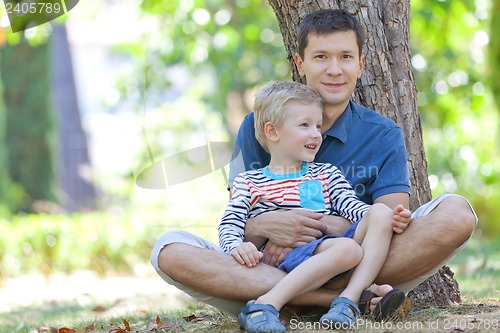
304,125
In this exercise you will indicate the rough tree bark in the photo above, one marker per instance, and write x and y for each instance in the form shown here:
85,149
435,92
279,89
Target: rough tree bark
387,86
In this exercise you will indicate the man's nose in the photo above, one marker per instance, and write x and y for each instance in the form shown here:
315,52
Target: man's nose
334,67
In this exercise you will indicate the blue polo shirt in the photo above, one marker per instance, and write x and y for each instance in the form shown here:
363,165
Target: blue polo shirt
367,147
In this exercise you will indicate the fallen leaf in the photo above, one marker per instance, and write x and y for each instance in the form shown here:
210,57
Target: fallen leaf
116,329
66,330
159,325
127,325
193,317
152,326
405,307
99,308
44,329
87,329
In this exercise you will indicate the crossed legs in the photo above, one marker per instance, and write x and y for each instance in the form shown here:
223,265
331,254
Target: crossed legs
424,246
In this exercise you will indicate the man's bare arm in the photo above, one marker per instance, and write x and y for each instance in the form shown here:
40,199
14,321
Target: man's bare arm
394,199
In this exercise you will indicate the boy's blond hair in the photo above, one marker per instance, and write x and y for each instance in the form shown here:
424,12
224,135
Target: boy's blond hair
270,102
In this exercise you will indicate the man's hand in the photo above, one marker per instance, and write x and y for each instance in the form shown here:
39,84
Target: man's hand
247,254
336,225
401,219
274,254
291,228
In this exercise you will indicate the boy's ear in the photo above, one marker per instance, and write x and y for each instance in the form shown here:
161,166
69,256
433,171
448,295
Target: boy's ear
271,132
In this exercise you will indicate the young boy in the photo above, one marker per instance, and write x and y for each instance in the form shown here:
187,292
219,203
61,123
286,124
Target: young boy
288,119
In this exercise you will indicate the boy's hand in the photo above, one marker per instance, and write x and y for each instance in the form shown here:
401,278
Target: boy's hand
401,220
247,254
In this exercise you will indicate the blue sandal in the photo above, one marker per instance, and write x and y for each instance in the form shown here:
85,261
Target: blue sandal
339,313
268,321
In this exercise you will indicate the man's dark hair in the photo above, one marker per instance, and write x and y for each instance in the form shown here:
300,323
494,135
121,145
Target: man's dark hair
326,21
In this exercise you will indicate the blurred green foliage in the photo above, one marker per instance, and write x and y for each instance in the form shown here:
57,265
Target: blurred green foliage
226,49
55,243
197,61
211,50
30,130
460,123
4,167
494,52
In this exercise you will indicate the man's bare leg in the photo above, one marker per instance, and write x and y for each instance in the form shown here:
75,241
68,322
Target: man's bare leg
219,275
428,241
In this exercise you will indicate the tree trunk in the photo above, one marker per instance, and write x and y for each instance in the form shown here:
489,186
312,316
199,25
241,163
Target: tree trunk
387,85
77,192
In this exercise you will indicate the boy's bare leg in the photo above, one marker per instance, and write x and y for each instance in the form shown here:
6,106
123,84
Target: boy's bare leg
219,275
331,258
374,234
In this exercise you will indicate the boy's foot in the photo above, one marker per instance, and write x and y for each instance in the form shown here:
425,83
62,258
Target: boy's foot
255,318
342,313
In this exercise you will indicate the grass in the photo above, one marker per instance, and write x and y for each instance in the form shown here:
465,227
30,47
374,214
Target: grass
477,270
91,242
482,317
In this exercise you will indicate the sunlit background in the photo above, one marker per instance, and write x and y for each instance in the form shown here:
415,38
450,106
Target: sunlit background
98,96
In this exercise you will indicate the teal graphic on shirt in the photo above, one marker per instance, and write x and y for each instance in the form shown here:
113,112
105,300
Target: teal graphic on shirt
311,195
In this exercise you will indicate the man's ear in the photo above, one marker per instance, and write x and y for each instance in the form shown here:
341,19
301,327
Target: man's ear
297,59
271,131
362,60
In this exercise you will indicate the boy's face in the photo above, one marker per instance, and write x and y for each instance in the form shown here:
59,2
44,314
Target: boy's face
299,135
332,65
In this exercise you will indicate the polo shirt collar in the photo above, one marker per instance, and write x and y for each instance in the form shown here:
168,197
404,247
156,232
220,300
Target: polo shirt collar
341,126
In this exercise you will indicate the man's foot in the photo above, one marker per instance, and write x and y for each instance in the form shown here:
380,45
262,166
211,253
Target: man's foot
381,301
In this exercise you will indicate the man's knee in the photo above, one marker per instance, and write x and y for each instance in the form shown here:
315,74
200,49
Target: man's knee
169,258
461,219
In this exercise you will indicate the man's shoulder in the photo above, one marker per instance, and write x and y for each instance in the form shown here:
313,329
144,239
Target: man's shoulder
366,115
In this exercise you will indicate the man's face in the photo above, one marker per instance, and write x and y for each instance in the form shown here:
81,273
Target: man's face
332,65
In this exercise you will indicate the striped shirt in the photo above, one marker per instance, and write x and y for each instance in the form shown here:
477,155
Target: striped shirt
319,187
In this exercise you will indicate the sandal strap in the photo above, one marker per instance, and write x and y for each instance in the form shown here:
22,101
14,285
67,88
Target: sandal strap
365,301
350,304
252,307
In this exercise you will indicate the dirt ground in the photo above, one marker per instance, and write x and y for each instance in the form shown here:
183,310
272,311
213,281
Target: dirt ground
112,295
88,296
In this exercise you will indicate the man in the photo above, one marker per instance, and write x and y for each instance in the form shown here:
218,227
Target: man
370,151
